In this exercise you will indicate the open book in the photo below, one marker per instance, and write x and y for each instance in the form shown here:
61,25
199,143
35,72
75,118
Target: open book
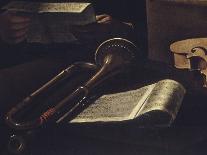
163,97
51,22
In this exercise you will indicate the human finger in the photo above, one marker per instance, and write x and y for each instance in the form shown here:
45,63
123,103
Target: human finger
19,26
99,17
19,19
19,39
103,18
19,33
16,40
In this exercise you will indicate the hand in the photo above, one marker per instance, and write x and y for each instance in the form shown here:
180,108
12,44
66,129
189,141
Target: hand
104,19
13,27
105,28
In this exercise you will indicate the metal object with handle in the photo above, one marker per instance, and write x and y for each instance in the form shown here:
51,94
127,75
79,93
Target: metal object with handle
111,57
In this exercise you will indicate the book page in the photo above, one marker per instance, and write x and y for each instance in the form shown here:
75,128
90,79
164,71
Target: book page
52,22
115,107
36,7
166,96
44,30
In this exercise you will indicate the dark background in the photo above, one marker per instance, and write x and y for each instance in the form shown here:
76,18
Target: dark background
191,116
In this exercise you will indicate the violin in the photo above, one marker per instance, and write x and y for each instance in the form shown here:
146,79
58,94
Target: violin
191,54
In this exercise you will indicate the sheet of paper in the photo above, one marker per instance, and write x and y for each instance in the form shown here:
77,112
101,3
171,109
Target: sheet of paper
115,107
44,30
35,7
166,96
52,22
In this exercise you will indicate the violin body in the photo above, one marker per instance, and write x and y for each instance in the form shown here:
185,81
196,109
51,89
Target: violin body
191,54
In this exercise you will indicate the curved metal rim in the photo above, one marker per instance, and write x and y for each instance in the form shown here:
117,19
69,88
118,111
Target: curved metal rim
96,53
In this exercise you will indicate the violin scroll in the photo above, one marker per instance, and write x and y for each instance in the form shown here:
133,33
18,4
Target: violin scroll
191,54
